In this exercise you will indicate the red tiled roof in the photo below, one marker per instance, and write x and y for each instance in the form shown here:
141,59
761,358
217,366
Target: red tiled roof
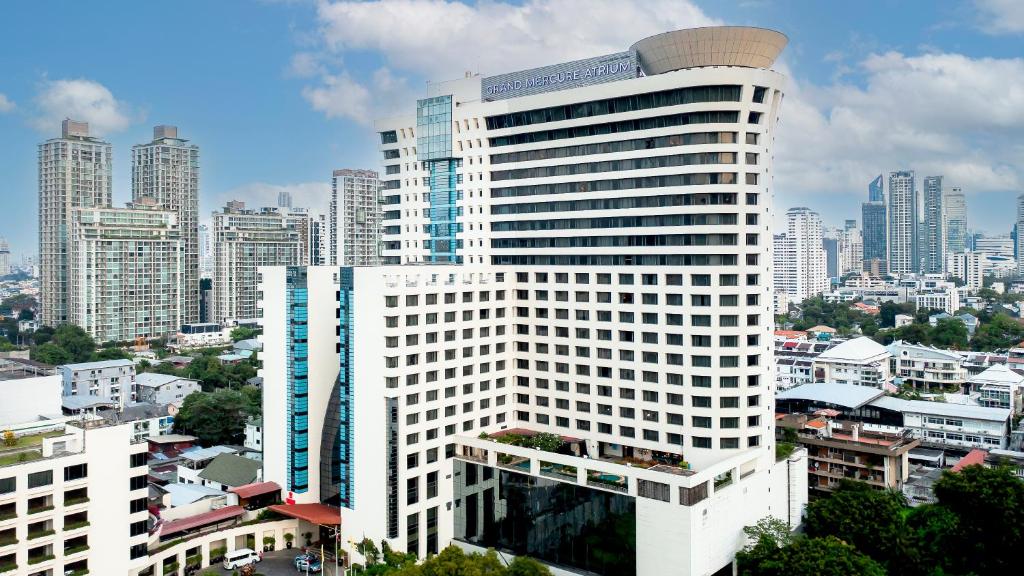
204,519
255,489
789,344
976,456
790,333
320,514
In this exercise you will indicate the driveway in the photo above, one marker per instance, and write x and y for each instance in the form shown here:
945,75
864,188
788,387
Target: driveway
277,563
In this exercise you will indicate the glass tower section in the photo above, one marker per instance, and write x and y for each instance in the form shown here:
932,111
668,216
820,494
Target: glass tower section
297,301
434,148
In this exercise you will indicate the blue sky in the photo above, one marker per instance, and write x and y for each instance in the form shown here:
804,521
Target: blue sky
279,93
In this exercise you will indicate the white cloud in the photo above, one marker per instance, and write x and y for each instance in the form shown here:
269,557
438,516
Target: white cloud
1001,16
440,39
81,99
6,105
313,195
935,113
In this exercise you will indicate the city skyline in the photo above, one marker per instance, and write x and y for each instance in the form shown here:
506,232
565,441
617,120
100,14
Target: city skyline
301,56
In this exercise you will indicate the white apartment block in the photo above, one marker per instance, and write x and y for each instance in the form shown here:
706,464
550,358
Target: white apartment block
243,240
946,299
5,257
969,267
927,368
946,425
74,172
163,389
319,239
205,252
954,219
166,172
30,390
999,387
593,263
1019,247
904,223
78,505
112,380
860,361
126,272
851,250
355,217
799,257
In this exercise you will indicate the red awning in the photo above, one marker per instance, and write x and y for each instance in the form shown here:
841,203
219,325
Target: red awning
321,514
200,520
256,489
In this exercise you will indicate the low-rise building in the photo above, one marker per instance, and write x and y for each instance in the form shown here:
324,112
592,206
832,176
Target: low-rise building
838,450
860,361
926,368
110,380
164,388
231,471
201,335
999,387
29,390
254,434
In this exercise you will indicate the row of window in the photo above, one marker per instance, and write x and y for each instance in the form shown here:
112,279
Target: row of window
617,105
391,301
660,201
618,241
695,179
646,434
619,222
691,139
648,163
667,121
622,260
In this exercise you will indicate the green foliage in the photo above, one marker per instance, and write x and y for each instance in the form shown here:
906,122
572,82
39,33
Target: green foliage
111,353
542,440
769,531
75,341
827,556
838,315
50,353
947,333
888,311
452,561
989,506
217,417
870,520
42,335
18,302
243,333
998,333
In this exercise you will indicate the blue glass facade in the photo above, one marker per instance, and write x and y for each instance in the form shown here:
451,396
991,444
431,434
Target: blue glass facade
434,148
876,190
337,473
297,302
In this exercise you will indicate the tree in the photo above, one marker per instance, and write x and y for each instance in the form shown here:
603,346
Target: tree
452,561
889,310
42,335
870,520
999,333
242,333
216,417
50,353
111,354
26,314
75,342
827,556
989,506
769,530
950,333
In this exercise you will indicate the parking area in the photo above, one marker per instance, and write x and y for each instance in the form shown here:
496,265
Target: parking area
278,563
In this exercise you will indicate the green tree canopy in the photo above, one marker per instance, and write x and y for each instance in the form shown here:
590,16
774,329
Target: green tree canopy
216,417
999,333
826,556
870,520
75,342
50,353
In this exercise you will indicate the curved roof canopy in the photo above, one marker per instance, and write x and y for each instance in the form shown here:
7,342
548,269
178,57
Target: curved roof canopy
712,46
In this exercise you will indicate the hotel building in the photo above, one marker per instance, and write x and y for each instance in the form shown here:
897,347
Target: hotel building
588,269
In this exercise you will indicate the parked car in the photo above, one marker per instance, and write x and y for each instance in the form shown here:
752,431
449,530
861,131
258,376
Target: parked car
241,557
308,563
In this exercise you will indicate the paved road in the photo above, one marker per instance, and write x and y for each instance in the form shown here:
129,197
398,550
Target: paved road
278,563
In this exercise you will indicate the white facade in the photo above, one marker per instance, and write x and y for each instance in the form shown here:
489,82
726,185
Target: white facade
83,505
967,266
205,252
355,218
163,388
5,257
1000,387
860,361
851,250
954,219
29,391
126,276
952,425
109,379
799,257
925,367
946,299
1019,248
606,274
74,172
244,240
904,220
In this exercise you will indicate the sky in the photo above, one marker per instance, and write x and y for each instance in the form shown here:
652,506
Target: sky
278,93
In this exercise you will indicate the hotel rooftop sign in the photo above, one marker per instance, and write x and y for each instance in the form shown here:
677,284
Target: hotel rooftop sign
597,70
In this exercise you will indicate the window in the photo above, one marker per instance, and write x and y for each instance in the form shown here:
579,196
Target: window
75,472
139,459
138,505
37,479
139,550
8,485
140,527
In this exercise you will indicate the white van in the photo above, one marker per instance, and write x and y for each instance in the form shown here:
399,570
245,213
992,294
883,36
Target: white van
241,557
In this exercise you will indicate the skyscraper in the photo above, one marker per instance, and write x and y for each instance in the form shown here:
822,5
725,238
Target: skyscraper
5,257
74,171
205,252
609,216
875,223
876,190
126,269
284,199
851,248
355,218
933,241
166,171
903,223
800,257
244,240
1018,240
954,210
